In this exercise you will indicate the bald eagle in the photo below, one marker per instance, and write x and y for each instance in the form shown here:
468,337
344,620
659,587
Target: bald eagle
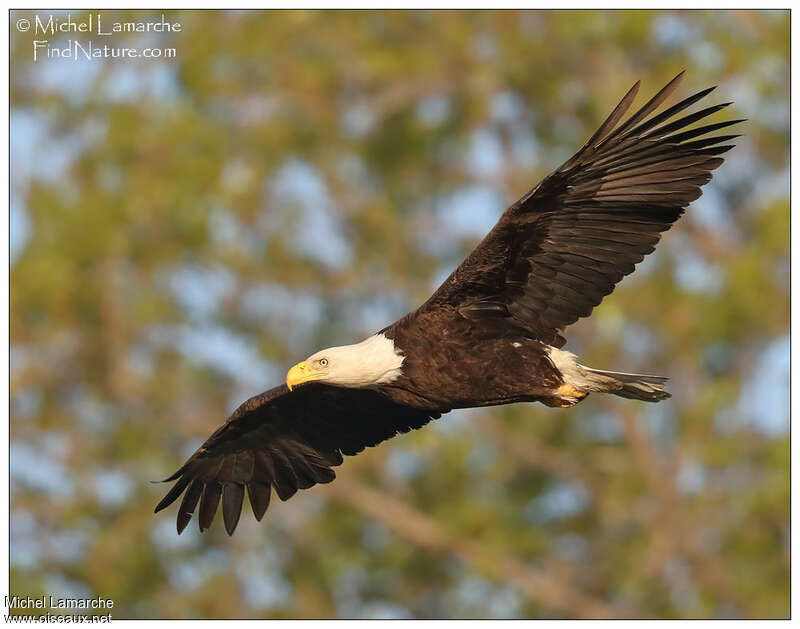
493,331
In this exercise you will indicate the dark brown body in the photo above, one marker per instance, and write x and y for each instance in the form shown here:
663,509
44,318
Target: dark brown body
458,364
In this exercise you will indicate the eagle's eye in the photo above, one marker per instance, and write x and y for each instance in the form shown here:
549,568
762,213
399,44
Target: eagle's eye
323,362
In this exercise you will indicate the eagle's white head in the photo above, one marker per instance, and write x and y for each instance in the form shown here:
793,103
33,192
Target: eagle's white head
374,361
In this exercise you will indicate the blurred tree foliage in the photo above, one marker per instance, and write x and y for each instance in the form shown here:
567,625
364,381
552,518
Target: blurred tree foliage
184,229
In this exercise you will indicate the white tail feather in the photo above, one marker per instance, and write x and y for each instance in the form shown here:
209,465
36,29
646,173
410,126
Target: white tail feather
633,386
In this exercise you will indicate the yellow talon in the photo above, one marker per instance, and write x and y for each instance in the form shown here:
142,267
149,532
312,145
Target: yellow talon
567,390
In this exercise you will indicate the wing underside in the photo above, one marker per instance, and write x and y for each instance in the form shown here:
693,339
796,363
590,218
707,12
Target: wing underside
284,442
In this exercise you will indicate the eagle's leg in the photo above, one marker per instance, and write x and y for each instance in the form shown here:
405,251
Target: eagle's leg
565,396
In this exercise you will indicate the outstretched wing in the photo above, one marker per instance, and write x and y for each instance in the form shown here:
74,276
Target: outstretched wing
561,248
286,441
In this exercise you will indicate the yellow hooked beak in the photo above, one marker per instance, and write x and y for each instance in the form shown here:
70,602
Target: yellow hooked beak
301,373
